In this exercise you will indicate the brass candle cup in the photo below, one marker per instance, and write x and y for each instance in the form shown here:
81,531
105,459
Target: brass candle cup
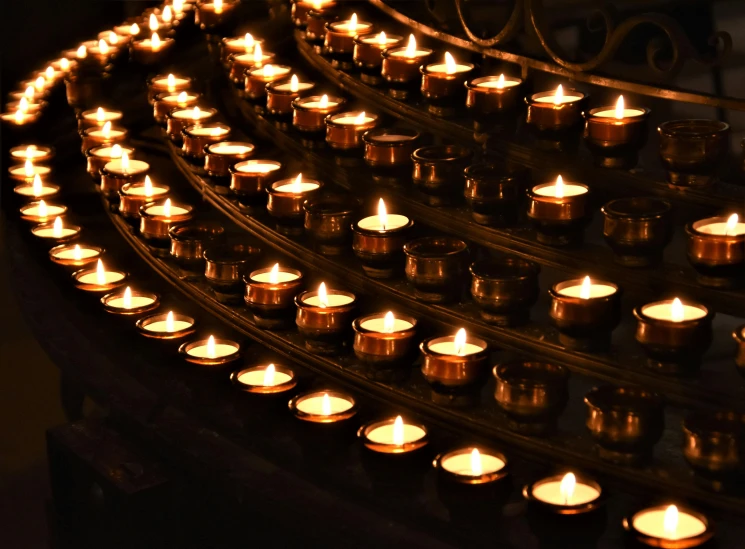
96,161
241,63
118,135
108,300
154,227
451,373
225,266
438,171
190,240
505,289
380,252
388,150
467,479
328,222
79,279
312,119
714,444
257,79
58,256
546,508
315,27
558,221
44,233
287,207
175,124
584,324
158,84
555,126
166,101
40,154
301,9
279,96
324,328
485,100
624,422
637,229
368,54
212,363
435,266
25,191
384,350
401,72
613,142
271,303
444,91
339,43
673,347
250,187
143,324
142,53
209,19
495,193
344,137
692,151
29,212
644,539
217,164
326,420
739,336
87,119
718,259
383,449
113,181
531,394
277,392
196,138
130,200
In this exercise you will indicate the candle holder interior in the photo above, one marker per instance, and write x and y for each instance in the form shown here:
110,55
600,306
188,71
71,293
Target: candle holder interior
438,171
435,266
693,151
505,289
495,192
637,229
328,222
225,266
190,240
714,444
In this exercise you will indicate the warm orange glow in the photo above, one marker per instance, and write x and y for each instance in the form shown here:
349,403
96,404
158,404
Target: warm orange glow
382,214
127,298
23,105
450,66
100,114
584,291
389,321
460,342
248,42
195,113
49,72
167,15
64,64
30,92
353,24
269,375
398,431
125,162
211,347
170,327
155,42
153,23
148,186
167,208
731,226
113,39
77,252
294,84
218,6
559,188
82,52
382,38
619,107
43,212
411,47
559,95
258,54
171,82
37,186
677,311
568,483
670,522
57,228
103,47
116,151
297,186
500,82
100,273
476,467
39,83
134,29
268,71
323,297
274,274
28,168
326,405
107,130
324,102
181,97
360,118
178,6
19,116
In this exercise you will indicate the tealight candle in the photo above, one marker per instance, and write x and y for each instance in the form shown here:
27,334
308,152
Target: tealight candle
156,219
383,340
716,249
309,113
166,326
565,494
669,527
75,255
281,93
286,198
218,157
210,351
270,293
179,118
249,179
98,55
324,407
37,189
300,9
401,64
555,115
258,78
674,334
127,31
238,44
558,211
378,241
393,436
165,102
130,302
197,136
472,466
443,82
210,15
26,106
152,50
98,117
241,63
493,94
97,157
134,195
104,135
19,118
99,279
119,172
368,52
454,363
56,231
267,379
174,84
323,317
28,171
615,134
41,211
344,130
340,36
34,153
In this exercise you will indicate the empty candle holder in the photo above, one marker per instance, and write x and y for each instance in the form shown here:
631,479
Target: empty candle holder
674,335
400,67
388,150
166,101
270,295
438,171
339,39
455,364
531,394
156,219
378,242
368,53
168,326
492,96
637,229
219,157
443,84
130,302
693,151
281,93
42,212
132,196
669,527
615,135
315,27
189,242
151,52
99,279
212,16
505,289
55,232
98,157
179,118
225,266
716,249
384,342
328,222
83,90
559,212
309,113
555,117
250,179
196,137
495,193
258,78
344,130
212,353
104,135
75,255
324,318
286,198
624,422
435,266
739,336
714,444
585,312
301,8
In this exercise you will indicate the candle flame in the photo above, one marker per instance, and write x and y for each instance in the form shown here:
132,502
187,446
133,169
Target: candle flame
211,353
155,42
559,188
23,105
353,24
297,186
153,24
269,375
388,322
127,298
49,72
670,522
258,54
269,71
460,342
500,82
43,212
39,83
294,84
134,29
326,405
559,95
181,97
82,52
107,130
171,82
19,116
28,168
360,119
218,6
167,208
730,228
450,66
77,253
167,15
323,297
113,38
248,42
324,102
677,311
103,47
116,151
64,64
382,214
566,488
178,6
57,228
170,326
36,185
30,92
584,292
398,431
411,47
476,468
148,186
274,274
100,114
100,273
125,162
619,107
195,113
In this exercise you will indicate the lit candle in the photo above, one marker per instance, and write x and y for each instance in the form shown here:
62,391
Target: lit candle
351,26
449,66
393,436
168,324
309,113
34,153
673,311
499,83
264,380
77,255
327,299
99,117
322,103
231,148
56,231
615,135
268,73
166,209
37,189
588,290
129,302
132,196
209,130
101,155
324,404
383,221
275,275
411,51
565,491
257,166
732,226
212,349
344,130
353,119
28,171
98,279
293,85
473,463
99,135
297,186
560,189
388,324
239,44
670,527
126,167
457,345
41,212
619,112
170,82
557,98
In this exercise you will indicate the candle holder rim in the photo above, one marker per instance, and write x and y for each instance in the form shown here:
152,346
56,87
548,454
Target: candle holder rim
191,231
531,99
244,143
248,278
389,51
45,184
357,325
114,128
348,205
330,120
591,115
300,300
98,287
272,86
486,171
456,245
145,321
298,102
738,334
692,229
161,202
105,299
164,76
185,347
233,168
489,269
81,115
680,543
259,67
50,225
555,290
424,347
359,22
272,188
609,398
225,39
687,128
596,503
358,39
129,149
534,195
554,374
211,110
470,479
234,254
641,316
428,154
264,389
49,149
320,418
161,95
721,422
189,129
381,233
369,135
424,70
66,245
137,184
614,208
30,205
407,447
472,84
